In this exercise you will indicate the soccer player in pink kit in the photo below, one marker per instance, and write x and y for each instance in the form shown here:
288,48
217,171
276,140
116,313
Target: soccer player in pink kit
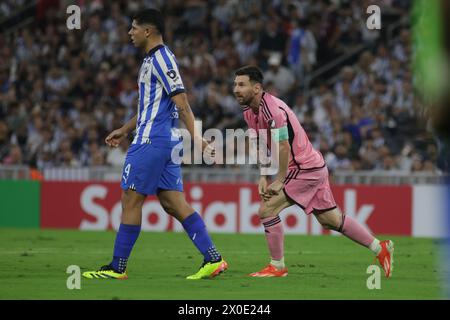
302,177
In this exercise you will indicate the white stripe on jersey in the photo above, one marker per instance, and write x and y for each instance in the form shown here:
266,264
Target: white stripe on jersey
156,104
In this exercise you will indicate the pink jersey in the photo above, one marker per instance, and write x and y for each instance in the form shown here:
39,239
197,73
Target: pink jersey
274,113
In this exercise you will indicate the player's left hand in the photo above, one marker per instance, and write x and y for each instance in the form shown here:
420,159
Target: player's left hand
274,189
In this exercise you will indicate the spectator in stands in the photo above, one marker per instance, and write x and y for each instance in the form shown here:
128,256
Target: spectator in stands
271,40
14,156
301,54
282,78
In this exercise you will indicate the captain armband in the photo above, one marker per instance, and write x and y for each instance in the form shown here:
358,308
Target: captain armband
280,134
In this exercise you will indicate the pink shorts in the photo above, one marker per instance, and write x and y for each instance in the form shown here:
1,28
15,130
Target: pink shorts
309,189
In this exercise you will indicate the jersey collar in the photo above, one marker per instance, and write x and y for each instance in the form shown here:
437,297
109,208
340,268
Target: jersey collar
260,104
154,49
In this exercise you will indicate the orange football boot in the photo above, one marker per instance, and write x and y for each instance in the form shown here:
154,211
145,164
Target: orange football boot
386,257
270,271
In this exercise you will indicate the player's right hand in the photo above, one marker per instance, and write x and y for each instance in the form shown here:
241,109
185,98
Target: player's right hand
115,138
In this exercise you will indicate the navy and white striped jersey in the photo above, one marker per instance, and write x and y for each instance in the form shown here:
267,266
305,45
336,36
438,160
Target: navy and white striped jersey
158,81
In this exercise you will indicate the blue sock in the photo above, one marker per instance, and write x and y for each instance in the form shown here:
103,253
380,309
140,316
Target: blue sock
125,239
196,229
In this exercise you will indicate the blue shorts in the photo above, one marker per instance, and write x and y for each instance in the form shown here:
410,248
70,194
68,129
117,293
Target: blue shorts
148,168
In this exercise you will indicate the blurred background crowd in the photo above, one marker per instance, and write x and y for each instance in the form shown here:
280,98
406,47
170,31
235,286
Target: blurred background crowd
62,91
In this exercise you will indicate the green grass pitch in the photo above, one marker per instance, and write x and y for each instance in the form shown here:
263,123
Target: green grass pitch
34,262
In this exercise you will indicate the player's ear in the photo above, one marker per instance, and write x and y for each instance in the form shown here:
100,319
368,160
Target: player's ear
148,30
257,88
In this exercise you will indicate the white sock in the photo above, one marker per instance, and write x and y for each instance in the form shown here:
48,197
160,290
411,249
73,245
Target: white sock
375,246
279,264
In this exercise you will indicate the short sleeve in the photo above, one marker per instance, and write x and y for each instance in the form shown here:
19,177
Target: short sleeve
273,115
166,70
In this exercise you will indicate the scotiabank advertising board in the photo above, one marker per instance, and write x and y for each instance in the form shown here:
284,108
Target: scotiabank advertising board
395,210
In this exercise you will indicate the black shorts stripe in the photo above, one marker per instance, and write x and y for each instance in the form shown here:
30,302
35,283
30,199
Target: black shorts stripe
324,210
290,176
287,178
314,168
294,174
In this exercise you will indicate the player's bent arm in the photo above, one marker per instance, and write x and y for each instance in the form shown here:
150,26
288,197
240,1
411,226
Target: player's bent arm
130,125
284,151
281,135
115,137
186,114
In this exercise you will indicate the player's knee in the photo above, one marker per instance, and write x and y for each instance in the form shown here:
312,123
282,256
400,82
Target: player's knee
130,201
330,221
179,209
266,211
329,226
168,206
262,211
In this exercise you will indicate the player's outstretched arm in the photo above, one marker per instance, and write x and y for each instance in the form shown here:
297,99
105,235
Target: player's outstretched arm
116,137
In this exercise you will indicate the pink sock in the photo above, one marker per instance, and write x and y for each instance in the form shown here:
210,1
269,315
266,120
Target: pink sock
353,230
274,236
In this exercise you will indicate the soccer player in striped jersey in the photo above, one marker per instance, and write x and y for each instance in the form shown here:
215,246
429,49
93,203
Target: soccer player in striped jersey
148,168
302,176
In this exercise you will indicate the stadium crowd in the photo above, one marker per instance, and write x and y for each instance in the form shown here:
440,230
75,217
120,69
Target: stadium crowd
62,91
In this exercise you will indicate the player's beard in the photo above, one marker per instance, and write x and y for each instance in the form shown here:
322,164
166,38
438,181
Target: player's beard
246,100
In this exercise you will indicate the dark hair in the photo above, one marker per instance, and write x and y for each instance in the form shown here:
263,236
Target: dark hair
150,16
254,73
